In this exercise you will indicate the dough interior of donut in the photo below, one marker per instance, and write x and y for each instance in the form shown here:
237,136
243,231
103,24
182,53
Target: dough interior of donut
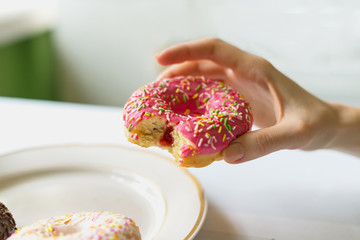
156,132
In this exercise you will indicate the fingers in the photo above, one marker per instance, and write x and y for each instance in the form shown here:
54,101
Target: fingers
259,143
212,49
206,68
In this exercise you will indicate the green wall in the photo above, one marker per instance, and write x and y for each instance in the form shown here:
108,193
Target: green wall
27,68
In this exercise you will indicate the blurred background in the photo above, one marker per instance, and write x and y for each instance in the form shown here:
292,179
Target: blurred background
100,51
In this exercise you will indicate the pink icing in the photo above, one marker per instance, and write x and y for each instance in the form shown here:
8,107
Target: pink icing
207,112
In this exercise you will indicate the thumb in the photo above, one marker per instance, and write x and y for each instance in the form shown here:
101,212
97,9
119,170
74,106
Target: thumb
258,143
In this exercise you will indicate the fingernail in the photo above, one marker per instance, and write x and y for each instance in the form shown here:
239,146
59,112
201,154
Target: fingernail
233,152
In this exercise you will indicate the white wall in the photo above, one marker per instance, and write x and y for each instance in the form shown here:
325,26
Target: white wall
21,19
106,47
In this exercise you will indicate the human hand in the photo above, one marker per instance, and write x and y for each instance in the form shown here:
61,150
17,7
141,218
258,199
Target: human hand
288,116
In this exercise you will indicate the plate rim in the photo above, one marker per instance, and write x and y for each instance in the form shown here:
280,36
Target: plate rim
203,201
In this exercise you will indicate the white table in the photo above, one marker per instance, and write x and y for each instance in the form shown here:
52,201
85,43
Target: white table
285,195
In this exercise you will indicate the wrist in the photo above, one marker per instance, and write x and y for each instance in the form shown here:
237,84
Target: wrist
347,129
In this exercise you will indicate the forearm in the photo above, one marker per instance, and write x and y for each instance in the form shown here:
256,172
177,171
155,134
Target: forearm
347,132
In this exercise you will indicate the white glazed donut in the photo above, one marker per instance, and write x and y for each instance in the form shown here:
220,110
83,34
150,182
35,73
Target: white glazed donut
81,226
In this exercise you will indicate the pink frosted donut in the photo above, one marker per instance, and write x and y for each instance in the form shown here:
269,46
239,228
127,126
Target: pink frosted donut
81,226
194,118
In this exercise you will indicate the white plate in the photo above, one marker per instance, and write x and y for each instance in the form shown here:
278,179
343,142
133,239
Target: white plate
163,199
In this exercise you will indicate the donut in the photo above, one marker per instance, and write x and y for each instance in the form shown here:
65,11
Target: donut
81,226
192,117
7,222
